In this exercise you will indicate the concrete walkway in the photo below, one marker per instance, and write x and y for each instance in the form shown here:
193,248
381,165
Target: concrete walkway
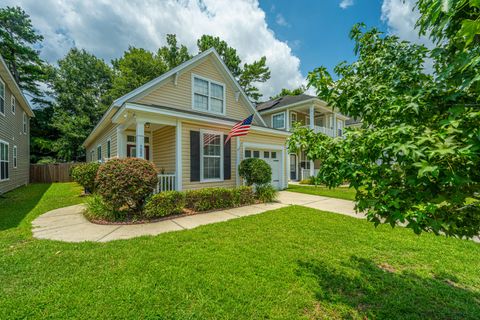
68,224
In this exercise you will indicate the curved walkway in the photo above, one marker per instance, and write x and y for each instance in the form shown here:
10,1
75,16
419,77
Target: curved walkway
68,224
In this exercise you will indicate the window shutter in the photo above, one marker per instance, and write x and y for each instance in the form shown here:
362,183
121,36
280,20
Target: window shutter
227,157
194,156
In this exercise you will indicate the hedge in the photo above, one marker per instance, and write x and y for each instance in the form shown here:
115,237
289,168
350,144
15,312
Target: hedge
164,204
218,198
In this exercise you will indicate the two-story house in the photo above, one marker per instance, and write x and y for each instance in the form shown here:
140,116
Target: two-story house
15,114
180,122
282,113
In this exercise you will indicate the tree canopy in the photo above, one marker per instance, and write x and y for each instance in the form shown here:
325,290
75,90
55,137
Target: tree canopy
416,158
81,83
289,92
17,38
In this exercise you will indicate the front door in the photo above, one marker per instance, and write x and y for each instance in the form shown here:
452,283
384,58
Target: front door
132,151
293,167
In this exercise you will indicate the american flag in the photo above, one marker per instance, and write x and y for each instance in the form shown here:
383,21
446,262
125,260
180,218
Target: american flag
240,129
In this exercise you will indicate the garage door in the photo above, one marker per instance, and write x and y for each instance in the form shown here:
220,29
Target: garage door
271,157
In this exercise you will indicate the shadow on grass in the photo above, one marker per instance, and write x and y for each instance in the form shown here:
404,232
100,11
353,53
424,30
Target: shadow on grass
361,289
16,204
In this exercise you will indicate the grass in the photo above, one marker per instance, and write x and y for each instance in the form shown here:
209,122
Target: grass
291,263
340,193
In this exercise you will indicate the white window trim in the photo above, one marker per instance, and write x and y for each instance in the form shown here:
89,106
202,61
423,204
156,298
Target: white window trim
4,97
209,96
13,104
222,145
284,119
109,142
15,157
101,155
7,161
25,123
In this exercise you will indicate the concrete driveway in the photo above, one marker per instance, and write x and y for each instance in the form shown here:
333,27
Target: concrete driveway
68,224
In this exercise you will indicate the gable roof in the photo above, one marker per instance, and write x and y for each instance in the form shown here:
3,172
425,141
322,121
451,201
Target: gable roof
153,84
283,101
9,80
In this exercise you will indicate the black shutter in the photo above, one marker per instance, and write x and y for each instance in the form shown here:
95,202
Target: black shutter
194,156
227,159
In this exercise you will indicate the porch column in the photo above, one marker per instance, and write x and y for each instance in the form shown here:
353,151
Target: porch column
288,165
237,162
178,156
140,139
312,117
121,146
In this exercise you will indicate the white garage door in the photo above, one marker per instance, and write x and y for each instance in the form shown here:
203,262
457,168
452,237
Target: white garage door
271,157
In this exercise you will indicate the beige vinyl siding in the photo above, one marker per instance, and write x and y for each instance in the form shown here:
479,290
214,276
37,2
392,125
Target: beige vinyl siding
187,184
180,96
163,152
11,131
110,132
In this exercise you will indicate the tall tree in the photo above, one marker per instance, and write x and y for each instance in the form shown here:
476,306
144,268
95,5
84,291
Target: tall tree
17,38
173,55
136,67
416,159
248,75
80,85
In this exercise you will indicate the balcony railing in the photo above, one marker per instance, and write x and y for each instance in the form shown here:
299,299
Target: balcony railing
166,182
305,173
327,131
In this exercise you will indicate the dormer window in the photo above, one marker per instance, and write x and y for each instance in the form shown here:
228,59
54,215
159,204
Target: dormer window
208,95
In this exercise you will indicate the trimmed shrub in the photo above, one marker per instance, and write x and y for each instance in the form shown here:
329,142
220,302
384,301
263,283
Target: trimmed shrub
266,193
125,184
165,204
255,171
97,209
218,198
84,174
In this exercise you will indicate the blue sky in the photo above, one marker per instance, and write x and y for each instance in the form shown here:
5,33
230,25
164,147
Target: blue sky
317,31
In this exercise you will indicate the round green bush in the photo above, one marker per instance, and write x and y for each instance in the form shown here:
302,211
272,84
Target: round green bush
84,174
165,204
255,171
125,184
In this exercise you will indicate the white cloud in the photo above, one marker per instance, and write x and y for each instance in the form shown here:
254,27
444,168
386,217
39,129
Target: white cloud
106,28
401,16
344,4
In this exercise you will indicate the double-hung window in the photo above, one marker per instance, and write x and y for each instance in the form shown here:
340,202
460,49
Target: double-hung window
278,120
13,103
208,95
211,166
4,174
2,97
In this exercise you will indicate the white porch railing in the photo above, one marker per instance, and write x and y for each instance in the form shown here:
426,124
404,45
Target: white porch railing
166,182
305,173
327,131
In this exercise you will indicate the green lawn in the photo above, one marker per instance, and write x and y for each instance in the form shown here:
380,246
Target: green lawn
292,263
340,193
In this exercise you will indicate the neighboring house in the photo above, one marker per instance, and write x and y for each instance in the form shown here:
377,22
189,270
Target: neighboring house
180,121
282,113
15,114
353,123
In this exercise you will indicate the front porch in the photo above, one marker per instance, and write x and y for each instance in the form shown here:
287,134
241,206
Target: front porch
155,139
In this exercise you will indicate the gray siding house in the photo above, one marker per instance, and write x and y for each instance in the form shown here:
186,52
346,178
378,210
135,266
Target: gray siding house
15,114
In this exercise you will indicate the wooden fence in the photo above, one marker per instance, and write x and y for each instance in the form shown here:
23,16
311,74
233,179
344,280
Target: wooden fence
47,173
